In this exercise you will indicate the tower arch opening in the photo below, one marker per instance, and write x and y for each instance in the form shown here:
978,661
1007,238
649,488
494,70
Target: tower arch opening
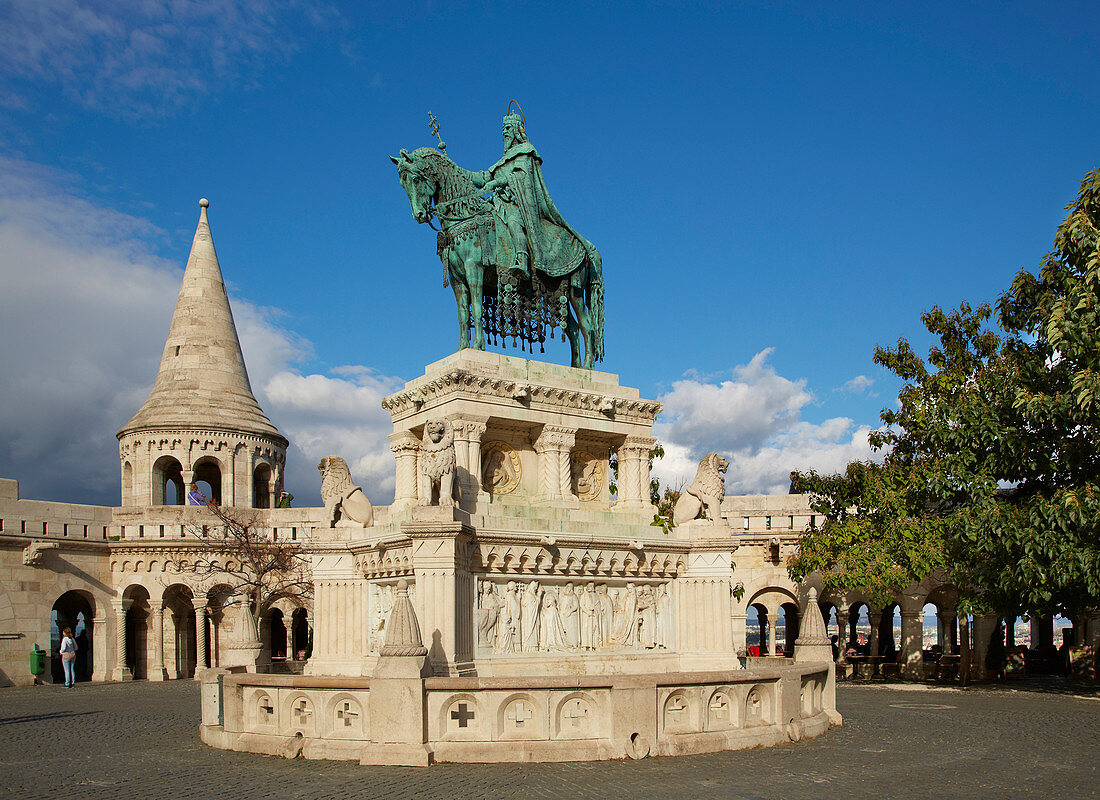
208,478
262,486
168,489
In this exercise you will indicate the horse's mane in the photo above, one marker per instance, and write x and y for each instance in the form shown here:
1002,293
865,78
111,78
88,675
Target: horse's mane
453,182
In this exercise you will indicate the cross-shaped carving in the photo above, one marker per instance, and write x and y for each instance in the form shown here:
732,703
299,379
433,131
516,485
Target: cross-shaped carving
267,709
302,711
463,715
754,703
347,714
677,705
720,706
519,713
576,712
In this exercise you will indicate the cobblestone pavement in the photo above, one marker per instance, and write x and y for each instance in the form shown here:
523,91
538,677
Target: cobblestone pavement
140,741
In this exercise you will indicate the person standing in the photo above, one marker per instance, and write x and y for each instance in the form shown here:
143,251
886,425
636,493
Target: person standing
68,657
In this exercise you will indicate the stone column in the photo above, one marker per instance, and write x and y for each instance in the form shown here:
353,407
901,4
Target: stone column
912,645
201,661
772,620
99,646
964,648
156,621
468,433
738,627
702,608
875,618
842,641
121,671
405,447
444,600
634,473
553,447
229,479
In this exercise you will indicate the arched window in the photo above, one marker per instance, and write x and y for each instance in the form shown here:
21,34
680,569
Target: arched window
208,478
261,486
167,482
127,484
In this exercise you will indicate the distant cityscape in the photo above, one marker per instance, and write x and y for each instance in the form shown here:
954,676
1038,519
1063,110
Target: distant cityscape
1022,632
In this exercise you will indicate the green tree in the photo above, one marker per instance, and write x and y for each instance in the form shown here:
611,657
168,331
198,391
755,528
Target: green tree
991,469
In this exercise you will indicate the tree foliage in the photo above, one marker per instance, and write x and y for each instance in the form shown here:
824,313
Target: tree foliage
992,457
239,552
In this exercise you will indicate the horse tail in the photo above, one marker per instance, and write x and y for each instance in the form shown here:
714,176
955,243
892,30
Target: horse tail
595,300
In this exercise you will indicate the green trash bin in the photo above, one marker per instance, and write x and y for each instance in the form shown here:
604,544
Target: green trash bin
38,663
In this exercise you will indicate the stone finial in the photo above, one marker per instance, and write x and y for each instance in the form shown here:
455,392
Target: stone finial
811,630
204,203
402,629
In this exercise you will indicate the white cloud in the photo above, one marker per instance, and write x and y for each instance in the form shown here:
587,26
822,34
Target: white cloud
343,416
755,420
84,308
857,385
134,57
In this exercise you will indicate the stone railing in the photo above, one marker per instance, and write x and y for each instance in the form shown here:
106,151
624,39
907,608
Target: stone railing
548,718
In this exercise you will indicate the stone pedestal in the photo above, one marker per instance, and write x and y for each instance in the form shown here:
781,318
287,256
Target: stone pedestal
527,430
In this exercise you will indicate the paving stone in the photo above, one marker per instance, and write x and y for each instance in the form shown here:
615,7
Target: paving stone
140,740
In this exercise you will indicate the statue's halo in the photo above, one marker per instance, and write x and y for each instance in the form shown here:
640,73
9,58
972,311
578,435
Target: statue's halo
521,116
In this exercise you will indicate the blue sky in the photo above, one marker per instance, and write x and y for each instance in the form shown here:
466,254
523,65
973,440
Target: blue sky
775,189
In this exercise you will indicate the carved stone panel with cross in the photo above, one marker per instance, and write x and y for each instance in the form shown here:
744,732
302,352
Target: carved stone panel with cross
577,716
720,711
301,716
461,717
680,713
347,717
522,717
262,709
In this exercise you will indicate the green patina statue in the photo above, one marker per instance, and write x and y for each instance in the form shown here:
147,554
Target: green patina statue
516,266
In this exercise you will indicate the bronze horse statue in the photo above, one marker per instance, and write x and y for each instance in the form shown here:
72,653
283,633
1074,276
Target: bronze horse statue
493,298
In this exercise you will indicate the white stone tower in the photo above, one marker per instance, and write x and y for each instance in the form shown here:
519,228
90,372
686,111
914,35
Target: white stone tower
201,423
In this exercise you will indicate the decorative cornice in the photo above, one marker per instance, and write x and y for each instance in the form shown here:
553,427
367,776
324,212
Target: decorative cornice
460,381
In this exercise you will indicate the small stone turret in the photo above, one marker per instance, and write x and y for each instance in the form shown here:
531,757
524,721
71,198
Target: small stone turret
402,629
201,422
813,638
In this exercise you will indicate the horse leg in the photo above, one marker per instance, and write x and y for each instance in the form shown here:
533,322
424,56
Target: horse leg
475,278
584,326
462,300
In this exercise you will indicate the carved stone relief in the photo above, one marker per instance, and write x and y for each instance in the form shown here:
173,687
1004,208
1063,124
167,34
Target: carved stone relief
500,468
515,617
588,475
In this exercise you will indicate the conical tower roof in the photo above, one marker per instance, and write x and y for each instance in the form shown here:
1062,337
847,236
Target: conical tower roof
202,382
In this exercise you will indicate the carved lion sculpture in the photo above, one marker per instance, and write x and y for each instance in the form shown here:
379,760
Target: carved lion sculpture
345,503
437,464
705,493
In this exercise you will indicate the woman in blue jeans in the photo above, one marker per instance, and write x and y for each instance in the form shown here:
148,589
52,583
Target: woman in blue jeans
68,656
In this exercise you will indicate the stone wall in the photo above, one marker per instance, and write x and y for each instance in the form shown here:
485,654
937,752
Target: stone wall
50,551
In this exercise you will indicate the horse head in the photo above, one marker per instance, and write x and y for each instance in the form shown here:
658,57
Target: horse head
418,181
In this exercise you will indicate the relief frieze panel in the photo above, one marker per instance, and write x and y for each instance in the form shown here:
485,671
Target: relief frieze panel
523,617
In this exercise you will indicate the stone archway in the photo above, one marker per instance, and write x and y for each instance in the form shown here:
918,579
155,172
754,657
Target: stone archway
180,648
76,610
136,624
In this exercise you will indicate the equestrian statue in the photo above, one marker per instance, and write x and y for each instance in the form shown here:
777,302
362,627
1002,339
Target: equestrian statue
518,269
